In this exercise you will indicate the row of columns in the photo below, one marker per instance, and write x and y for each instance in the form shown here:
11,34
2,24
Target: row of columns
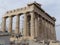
32,30
49,29
17,24
45,30
10,24
35,31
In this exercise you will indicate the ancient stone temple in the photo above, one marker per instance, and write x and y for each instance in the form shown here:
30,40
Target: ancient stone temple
37,23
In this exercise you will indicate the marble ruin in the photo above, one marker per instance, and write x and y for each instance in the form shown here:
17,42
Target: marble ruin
38,24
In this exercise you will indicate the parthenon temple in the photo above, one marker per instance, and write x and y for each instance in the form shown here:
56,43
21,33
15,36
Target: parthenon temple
37,23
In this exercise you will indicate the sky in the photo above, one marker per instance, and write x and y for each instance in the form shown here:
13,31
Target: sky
52,7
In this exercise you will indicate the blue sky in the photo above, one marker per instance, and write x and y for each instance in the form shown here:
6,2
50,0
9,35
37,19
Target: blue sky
50,6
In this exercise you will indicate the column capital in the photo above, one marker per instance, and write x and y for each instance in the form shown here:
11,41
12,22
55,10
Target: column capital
4,17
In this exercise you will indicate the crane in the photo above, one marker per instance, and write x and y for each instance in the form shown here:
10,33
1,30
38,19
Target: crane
58,25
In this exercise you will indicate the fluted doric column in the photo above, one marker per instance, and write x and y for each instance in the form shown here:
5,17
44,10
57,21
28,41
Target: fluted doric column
36,26
54,33
10,25
17,24
42,30
4,24
32,24
25,25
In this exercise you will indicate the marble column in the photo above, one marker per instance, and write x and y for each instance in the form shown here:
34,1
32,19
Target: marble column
10,25
17,24
32,25
54,33
36,26
48,29
51,31
39,28
42,29
4,24
28,26
25,25
46,32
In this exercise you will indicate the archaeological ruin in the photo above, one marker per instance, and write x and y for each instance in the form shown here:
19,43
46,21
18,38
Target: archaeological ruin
38,24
